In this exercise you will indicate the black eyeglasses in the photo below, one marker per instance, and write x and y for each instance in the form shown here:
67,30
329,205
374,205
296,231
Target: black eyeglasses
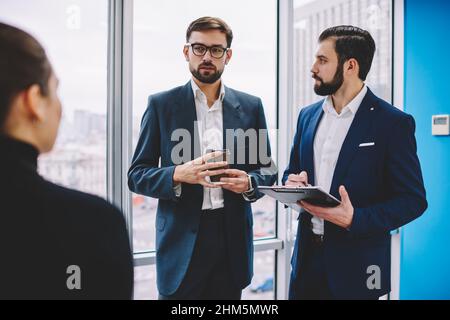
200,50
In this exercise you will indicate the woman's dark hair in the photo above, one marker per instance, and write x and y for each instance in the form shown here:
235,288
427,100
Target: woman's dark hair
352,42
23,63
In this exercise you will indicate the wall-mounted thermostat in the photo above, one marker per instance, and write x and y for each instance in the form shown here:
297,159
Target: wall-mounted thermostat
441,125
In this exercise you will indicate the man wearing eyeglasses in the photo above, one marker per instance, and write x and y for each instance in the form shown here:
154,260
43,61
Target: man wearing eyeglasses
204,238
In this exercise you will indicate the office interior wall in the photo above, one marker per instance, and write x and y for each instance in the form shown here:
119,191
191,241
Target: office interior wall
425,261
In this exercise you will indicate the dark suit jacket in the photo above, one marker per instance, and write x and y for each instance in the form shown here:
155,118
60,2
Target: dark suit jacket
46,228
385,185
177,220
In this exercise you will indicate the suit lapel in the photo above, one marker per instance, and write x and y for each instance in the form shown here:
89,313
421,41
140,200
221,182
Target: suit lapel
357,132
186,118
307,150
231,121
231,109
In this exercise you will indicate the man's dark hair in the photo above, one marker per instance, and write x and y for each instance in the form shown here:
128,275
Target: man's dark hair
210,23
23,63
352,42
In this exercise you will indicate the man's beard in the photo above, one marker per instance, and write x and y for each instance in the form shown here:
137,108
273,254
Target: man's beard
212,77
329,88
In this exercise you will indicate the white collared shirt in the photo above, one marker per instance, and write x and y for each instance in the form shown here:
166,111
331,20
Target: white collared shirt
330,136
210,129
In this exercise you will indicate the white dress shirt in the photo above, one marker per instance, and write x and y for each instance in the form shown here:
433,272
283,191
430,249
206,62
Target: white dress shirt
210,129
330,136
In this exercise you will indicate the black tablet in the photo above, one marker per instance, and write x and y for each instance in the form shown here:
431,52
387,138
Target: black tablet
313,195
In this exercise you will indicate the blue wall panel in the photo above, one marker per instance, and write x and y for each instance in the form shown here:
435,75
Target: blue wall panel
425,261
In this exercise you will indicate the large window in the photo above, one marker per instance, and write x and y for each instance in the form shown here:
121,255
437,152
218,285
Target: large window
262,287
161,67
311,17
76,41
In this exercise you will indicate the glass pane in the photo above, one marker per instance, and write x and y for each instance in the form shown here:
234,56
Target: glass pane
162,67
145,283
311,17
262,286
76,41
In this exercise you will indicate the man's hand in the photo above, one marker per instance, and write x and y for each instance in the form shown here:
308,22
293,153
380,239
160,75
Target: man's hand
341,215
195,171
236,182
297,180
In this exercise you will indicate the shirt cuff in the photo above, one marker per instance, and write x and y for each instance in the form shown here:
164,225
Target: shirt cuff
177,189
249,197
250,194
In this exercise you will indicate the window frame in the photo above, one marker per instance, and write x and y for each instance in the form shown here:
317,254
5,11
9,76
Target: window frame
119,126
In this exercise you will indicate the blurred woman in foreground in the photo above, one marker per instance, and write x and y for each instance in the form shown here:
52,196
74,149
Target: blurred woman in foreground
55,243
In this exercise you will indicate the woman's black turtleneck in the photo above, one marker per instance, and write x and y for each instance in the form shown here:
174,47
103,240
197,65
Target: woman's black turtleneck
16,151
45,229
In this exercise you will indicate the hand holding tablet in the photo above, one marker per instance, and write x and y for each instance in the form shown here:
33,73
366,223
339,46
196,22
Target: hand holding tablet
292,195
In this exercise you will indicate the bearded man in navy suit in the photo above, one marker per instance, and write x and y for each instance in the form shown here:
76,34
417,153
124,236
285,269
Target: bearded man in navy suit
363,151
204,237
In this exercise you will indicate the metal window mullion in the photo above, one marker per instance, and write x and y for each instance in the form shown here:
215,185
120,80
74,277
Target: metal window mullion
285,133
120,50
398,71
149,258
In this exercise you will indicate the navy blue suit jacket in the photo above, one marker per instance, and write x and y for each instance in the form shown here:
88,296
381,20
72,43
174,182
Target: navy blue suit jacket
385,185
177,220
